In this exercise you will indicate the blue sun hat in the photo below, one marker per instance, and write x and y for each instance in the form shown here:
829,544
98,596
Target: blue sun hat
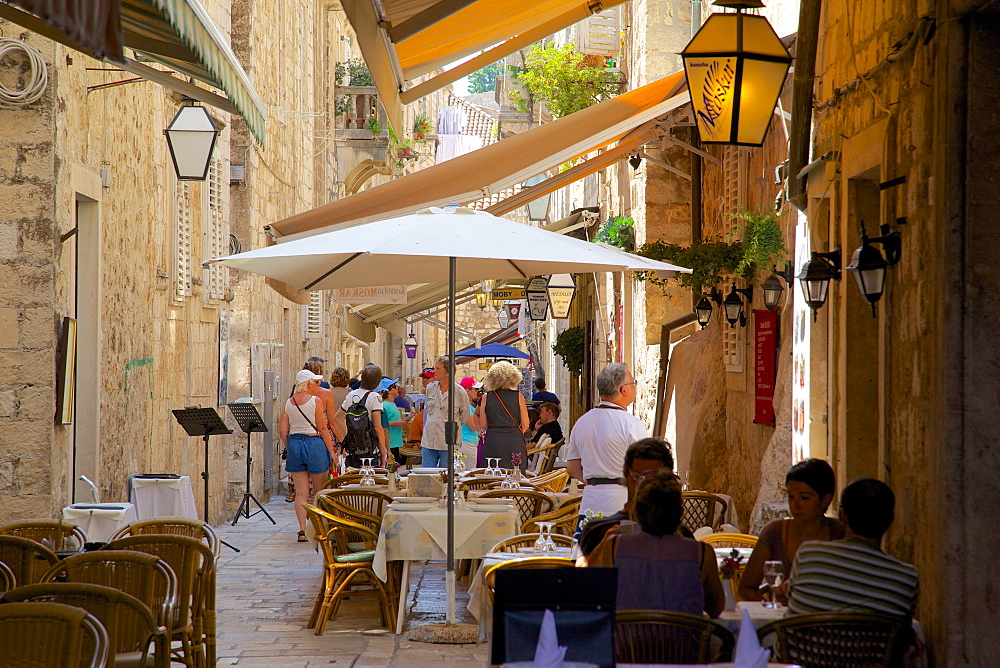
386,384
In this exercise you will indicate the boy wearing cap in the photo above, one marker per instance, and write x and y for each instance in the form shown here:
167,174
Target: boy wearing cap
470,436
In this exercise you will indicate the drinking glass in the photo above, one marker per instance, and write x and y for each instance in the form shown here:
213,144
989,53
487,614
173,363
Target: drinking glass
368,472
545,530
459,464
493,466
686,480
774,574
540,541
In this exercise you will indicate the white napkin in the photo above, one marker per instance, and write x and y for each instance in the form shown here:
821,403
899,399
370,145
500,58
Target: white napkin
548,653
749,653
703,531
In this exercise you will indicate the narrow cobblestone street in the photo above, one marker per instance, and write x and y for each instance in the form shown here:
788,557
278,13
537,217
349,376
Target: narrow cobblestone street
266,592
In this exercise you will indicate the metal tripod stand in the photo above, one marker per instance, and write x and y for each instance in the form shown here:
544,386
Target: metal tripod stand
250,421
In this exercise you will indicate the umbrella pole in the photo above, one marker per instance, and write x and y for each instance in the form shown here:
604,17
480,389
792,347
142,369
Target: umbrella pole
451,429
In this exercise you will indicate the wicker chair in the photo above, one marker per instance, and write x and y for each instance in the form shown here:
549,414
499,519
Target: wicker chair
53,531
553,481
175,526
352,479
129,623
369,501
145,576
412,453
701,509
532,562
550,459
481,483
822,639
51,634
513,543
656,636
194,565
528,502
565,518
7,579
343,570
27,559
729,540
338,502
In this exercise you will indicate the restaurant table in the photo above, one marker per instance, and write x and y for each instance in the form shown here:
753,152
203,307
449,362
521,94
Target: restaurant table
100,520
162,497
423,535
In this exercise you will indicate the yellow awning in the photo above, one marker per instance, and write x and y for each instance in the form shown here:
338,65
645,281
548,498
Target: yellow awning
467,178
405,39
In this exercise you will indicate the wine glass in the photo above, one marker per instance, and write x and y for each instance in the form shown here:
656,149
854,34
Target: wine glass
492,466
540,541
545,530
774,574
368,472
686,479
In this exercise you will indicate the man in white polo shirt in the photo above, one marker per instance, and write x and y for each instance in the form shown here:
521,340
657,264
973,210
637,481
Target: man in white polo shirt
599,439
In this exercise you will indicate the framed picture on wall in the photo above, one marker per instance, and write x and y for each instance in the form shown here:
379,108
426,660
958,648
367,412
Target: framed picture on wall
66,373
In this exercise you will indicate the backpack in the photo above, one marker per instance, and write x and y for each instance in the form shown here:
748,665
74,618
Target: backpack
361,438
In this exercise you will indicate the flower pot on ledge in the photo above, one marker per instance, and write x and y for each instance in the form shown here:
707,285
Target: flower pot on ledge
405,152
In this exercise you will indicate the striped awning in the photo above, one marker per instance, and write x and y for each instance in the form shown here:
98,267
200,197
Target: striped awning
177,33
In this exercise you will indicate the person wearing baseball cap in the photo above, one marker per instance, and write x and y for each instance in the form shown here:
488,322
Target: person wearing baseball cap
470,435
304,431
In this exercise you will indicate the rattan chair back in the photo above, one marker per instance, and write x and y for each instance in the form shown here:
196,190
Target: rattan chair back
27,559
553,481
729,540
129,623
53,531
529,503
514,543
7,579
482,482
701,509
330,501
657,636
194,565
175,526
353,479
549,463
369,501
827,639
51,634
565,518
144,576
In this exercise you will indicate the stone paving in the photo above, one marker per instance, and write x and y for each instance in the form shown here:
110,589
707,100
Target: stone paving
266,592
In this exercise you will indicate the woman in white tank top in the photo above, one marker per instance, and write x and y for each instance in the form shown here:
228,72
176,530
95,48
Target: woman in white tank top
303,431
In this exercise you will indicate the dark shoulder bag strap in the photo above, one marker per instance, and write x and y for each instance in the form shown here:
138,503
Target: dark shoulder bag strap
292,399
517,424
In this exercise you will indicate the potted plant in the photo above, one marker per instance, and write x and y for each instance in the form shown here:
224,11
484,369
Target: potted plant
421,126
374,126
404,149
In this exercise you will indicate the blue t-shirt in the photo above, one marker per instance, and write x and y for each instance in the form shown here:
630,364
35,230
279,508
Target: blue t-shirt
403,403
470,435
390,413
545,395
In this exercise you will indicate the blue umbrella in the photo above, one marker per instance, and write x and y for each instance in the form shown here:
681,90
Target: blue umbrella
493,350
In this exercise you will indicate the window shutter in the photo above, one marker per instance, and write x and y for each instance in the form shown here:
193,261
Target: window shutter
182,266
598,34
312,316
216,228
735,166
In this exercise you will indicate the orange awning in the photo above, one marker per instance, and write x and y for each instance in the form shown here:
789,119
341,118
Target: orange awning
627,119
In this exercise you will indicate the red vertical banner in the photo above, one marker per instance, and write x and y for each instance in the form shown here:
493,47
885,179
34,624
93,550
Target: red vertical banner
765,340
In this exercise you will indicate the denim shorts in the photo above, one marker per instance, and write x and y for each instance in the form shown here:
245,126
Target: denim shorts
307,453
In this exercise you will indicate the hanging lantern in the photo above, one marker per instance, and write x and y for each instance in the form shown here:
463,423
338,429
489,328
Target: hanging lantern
816,275
411,346
482,299
735,67
191,139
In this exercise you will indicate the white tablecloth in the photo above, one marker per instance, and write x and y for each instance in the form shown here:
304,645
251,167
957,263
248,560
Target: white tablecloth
413,536
163,497
100,523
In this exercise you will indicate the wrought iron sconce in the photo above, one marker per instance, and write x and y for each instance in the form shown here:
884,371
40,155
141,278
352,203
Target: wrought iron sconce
816,275
703,309
734,305
773,288
868,265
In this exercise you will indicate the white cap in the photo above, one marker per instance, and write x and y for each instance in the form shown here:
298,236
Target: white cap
305,374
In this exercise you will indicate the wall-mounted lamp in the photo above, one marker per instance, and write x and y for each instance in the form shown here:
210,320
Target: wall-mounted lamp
816,275
635,161
482,299
735,67
734,305
502,316
191,139
538,209
773,288
497,303
703,311
868,265
487,285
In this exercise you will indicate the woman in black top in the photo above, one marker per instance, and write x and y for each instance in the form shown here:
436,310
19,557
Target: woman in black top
504,415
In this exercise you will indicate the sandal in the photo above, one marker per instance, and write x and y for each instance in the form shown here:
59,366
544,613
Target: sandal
302,537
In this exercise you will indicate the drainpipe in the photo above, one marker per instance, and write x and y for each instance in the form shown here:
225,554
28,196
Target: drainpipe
802,99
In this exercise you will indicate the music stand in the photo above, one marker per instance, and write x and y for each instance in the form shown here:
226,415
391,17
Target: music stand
249,421
203,422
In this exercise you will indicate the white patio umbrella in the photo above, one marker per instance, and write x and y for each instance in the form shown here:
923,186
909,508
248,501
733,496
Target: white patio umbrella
433,246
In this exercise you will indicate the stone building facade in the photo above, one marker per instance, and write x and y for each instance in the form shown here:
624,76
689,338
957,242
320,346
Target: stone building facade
98,229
